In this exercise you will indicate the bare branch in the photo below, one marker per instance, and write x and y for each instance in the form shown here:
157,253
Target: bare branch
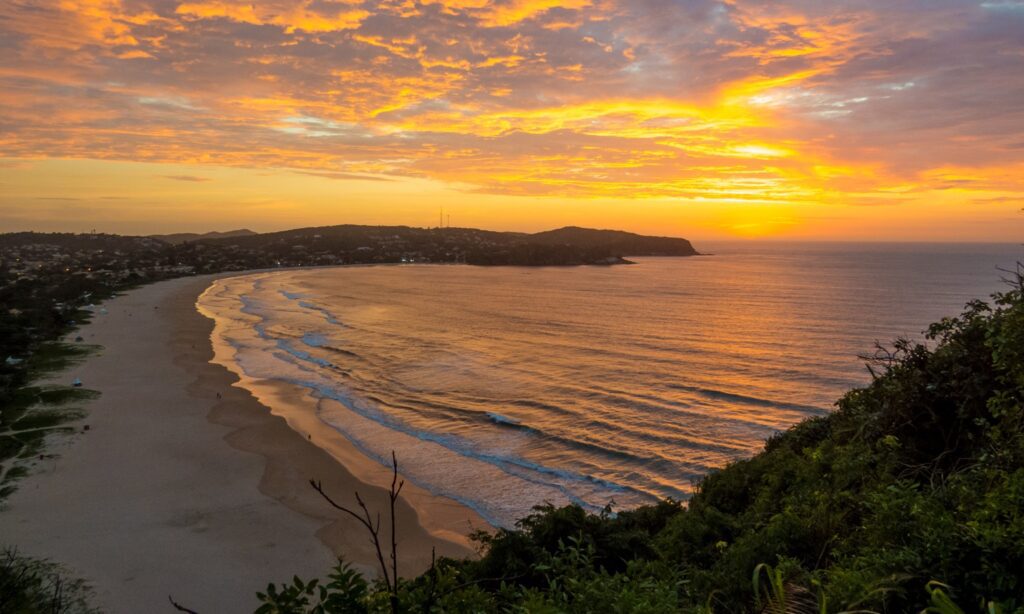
393,496
367,520
179,607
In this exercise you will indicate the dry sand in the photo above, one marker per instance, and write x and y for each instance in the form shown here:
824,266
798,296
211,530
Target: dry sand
151,501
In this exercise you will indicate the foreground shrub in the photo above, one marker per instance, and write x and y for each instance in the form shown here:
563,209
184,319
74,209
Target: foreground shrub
31,586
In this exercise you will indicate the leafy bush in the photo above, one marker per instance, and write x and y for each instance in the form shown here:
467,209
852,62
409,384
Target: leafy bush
345,591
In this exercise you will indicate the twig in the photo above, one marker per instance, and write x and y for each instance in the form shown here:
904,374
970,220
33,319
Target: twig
179,607
393,497
367,520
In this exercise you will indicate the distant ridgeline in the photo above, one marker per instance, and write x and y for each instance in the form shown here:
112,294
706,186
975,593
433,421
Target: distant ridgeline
347,244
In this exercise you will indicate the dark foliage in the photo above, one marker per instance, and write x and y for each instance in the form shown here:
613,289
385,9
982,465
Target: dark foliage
29,586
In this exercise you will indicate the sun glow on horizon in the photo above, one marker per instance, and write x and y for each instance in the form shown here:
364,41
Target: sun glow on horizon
709,118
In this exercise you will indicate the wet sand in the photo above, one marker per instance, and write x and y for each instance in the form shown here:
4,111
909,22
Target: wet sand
187,485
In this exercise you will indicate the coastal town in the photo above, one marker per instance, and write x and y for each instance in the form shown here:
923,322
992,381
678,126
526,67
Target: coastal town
50,283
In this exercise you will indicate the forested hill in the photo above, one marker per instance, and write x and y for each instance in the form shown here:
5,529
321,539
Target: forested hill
182,237
618,241
347,244
570,245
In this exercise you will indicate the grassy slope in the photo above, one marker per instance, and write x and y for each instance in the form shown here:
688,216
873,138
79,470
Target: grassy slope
31,413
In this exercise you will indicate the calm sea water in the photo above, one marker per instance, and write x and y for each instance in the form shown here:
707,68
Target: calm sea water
506,387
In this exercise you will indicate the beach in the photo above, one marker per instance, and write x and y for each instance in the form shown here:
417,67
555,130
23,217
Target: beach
181,483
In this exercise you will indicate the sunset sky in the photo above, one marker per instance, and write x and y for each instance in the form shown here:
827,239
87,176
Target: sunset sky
896,120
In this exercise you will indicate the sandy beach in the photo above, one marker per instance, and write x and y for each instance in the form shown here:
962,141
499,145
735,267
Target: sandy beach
185,484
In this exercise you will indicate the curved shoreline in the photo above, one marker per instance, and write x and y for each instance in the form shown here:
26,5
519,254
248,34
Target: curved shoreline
320,449
150,502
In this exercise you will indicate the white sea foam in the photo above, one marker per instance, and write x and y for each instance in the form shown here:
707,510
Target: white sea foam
506,387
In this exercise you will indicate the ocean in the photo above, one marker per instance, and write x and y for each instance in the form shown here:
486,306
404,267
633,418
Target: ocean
507,387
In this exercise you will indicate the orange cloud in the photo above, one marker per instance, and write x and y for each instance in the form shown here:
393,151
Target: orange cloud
783,105
290,16
509,12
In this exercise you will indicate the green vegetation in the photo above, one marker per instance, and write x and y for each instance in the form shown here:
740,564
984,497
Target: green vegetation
908,498
37,312
29,586
32,413
38,309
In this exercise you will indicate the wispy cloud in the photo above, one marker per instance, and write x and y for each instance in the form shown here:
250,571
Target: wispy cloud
791,102
192,178
346,176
